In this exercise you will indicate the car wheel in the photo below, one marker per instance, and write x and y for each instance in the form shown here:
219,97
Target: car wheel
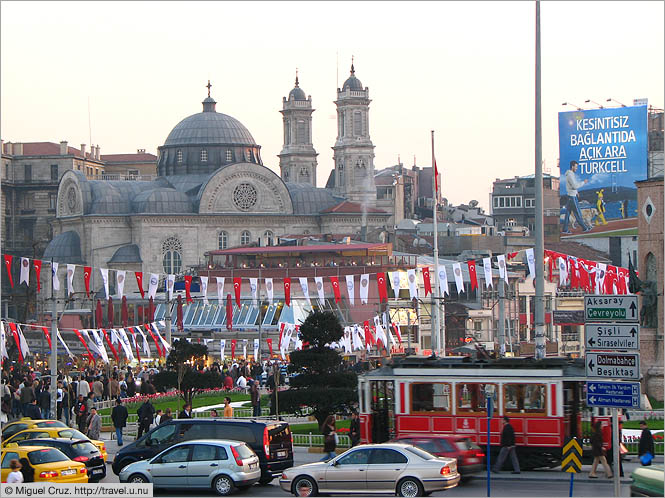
137,479
305,486
223,485
409,487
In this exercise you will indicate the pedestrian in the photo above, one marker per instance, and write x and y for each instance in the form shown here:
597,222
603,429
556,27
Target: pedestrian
94,424
507,448
158,417
598,452
646,448
213,413
610,451
166,417
242,382
98,389
27,470
146,413
27,393
89,402
83,387
81,414
186,411
256,399
45,403
114,387
15,476
354,428
119,417
33,411
228,409
328,429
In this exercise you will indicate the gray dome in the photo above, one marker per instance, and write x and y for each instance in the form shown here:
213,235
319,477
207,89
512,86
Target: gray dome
162,201
308,199
127,254
352,82
209,128
297,94
64,248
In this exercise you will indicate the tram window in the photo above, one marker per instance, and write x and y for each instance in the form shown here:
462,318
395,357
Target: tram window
430,397
524,398
471,397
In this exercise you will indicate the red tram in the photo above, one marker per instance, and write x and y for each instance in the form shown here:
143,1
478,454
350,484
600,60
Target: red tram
416,396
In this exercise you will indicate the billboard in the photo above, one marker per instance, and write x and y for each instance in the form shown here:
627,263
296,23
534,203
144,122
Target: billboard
602,152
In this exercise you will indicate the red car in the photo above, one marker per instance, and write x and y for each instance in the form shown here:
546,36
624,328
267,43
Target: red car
470,457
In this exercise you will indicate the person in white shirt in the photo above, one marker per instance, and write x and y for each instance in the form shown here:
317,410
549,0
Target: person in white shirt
83,387
242,382
572,202
15,475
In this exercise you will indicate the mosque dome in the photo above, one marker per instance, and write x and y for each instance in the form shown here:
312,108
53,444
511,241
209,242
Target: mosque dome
352,83
297,93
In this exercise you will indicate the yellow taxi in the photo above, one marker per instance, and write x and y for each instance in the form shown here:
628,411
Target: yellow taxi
27,423
49,464
49,432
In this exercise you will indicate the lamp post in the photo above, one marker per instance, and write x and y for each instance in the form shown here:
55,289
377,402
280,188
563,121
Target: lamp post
489,404
591,101
572,105
613,100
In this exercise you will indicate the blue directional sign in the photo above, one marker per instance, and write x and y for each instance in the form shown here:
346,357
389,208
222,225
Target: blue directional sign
613,394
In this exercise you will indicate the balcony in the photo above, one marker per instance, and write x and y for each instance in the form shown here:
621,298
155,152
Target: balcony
123,177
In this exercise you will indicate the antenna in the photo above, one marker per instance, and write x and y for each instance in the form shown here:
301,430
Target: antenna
89,122
337,71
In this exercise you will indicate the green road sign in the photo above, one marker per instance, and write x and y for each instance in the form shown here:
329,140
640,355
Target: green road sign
618,308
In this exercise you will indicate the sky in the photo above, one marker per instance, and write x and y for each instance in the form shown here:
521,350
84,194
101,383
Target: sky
463,69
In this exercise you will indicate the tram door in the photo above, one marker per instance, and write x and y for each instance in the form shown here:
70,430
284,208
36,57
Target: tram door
572,409
382,408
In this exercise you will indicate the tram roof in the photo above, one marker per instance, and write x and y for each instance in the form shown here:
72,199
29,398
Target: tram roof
570,367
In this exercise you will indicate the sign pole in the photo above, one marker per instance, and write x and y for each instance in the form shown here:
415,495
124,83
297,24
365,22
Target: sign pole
490,410
616,454
572,476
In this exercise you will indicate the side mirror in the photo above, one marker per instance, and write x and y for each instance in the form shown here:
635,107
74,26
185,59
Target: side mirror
334,463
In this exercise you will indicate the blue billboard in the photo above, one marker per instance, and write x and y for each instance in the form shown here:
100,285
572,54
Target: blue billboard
602,152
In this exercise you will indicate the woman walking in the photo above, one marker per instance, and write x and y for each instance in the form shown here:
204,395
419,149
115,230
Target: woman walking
328,430
598,453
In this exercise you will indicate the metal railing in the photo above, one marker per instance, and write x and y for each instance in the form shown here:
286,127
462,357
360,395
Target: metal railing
311,440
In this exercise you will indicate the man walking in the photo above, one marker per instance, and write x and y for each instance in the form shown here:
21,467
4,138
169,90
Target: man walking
354,429
256,399
119,417
94,424
572,202
646,444
146,413
507,448
186,411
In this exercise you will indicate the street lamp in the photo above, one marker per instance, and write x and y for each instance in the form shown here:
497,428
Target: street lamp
589,100
612,100
572,105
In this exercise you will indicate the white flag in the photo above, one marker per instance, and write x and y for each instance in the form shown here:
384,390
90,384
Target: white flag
220,290
601,271
269,290
120,280
413,284
531,260
487,268
92,346
459,279
443,280
97,336
503,272
394,280
152,285
70,278
105,279
244,348
364,287
166,345
357,338
350,289
204,289
253,287
305,289
25,350
114,337
126,346
3,342
563,271
170,282
222,347
146,346
256,350
25,272
380,334
69,353
54,275
320,290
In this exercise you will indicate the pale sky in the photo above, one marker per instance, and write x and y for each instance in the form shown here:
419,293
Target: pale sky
462,69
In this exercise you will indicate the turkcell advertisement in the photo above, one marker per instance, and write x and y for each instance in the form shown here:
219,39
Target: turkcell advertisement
602,153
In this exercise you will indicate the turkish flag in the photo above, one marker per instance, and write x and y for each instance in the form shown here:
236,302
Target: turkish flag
396,329
237,284
573,274
87,271
610,278
188,288
269,341
8,264
233,348
287,291
229,312
369,338
17,340
335,286
78,334
621,280
426,281
591,265
38,271
582,275
139,282
511,255
472,274
281,333
48,336
383,289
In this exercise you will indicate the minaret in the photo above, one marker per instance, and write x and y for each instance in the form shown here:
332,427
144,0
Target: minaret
353,151
297,161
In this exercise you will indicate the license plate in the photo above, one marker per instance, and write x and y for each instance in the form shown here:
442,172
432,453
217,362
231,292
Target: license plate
98,471
68,472
252,465
473,460
281,454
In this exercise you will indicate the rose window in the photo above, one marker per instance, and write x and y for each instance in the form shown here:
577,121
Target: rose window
244,196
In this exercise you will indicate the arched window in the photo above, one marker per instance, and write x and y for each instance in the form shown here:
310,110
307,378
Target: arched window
172,259
223,240
204,155
178,156
229,155
304,174
248,155
245,237
286,175
268,235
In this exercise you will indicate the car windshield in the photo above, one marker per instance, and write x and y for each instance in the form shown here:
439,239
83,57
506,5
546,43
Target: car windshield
72,434
49,455
244,451
421,453
50,423
84,448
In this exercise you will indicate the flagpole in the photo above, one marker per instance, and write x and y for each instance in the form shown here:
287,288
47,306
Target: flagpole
437,345
54,351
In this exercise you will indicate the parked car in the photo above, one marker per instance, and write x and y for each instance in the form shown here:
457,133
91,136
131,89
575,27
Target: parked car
391,468
222,465
470,457
647,481
270,440
49,464
27,423
55,432
78,450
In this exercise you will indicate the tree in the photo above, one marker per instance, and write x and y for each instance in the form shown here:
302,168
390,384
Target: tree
181,374
321,384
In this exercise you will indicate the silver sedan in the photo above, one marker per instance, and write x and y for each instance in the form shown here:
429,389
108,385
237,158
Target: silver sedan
391,468
220,465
